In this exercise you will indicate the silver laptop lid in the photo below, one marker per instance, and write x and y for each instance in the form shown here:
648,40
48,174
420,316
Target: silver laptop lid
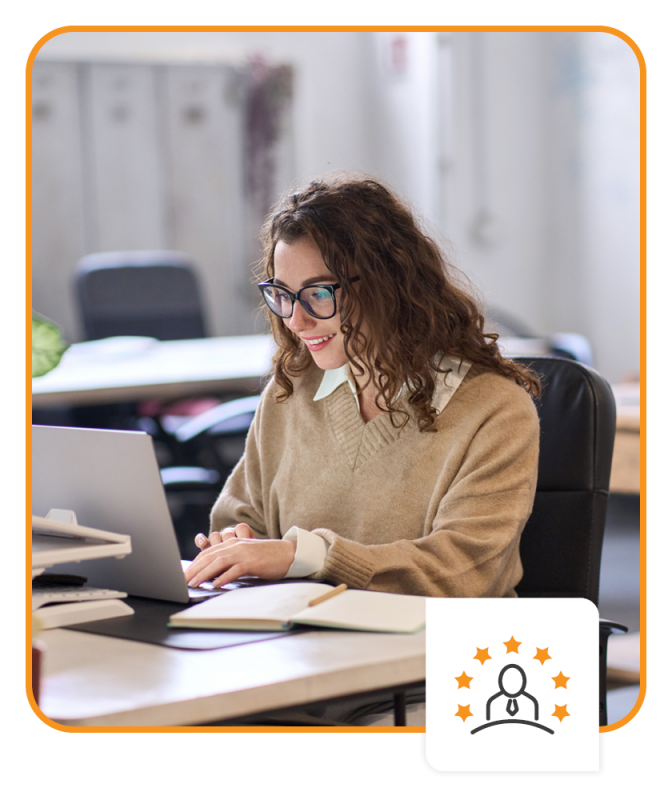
111,480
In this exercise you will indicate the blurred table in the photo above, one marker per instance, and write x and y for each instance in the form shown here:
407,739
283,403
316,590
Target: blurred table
132,368
626,461
512,346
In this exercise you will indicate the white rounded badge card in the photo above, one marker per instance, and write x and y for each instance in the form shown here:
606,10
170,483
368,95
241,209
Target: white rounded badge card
512,685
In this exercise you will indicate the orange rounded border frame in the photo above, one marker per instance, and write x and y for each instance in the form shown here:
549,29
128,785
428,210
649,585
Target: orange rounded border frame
335,28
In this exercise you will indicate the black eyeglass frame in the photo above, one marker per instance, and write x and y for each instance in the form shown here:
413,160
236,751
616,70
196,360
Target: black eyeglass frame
331,287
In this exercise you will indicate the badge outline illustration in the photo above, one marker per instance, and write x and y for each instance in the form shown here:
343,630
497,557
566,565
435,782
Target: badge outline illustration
482,656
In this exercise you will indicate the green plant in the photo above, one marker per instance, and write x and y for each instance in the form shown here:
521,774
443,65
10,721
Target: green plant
48,345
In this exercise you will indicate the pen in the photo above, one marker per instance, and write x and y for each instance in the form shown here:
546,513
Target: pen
331,593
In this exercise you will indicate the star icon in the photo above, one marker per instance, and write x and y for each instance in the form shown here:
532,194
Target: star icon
561,712
542,655
463,712
482,655
561,681
512,645
463,681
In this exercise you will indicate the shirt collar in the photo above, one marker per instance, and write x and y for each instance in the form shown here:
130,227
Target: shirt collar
332,379
446,382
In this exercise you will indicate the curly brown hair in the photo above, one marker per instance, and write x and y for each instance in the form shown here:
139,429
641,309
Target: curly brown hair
413,301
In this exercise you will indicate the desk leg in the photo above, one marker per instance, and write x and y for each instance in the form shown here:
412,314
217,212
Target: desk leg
400,709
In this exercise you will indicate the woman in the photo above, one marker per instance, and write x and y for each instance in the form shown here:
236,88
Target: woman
394,449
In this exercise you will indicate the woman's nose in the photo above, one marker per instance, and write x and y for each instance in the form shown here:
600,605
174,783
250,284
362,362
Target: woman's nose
300,319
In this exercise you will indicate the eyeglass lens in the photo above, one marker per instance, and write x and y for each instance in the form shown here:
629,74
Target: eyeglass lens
317,301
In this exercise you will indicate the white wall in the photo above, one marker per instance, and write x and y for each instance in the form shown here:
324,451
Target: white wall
520,148
498,213
543,183
611,202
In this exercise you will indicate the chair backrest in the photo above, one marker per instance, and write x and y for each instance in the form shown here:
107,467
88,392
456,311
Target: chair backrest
139,293
561,545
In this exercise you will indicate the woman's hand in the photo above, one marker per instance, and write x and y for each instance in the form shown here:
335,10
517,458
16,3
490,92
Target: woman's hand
240,531
234,557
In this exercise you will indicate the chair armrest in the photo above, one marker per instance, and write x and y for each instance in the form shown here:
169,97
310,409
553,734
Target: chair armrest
607,627
610,627
215,416
173,477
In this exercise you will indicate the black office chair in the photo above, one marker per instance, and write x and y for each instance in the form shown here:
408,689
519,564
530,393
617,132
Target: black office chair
561,544
139,293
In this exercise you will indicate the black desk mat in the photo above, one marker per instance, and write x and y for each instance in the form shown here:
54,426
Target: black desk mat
149,624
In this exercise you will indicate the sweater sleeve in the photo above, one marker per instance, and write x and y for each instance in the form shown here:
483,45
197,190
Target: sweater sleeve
471,548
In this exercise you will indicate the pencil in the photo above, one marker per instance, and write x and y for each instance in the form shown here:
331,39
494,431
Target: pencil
331,593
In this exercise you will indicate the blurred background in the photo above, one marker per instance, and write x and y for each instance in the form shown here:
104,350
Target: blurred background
520,151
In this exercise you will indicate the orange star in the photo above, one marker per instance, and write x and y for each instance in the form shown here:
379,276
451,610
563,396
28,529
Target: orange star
512,645
482,655
542,655
463,712
561,681
560,712
463,681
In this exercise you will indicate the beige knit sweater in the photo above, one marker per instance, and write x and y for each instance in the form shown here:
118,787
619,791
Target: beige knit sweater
435,514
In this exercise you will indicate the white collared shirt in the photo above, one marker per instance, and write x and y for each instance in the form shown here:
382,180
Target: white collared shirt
311,549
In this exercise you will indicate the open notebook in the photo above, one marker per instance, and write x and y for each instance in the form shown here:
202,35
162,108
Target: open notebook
282,606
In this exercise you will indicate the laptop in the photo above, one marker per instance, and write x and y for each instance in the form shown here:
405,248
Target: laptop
111,480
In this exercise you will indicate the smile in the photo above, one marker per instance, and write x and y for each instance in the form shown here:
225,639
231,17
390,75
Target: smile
318,344
322,339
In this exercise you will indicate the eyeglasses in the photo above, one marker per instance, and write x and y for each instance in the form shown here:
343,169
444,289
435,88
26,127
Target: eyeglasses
318,300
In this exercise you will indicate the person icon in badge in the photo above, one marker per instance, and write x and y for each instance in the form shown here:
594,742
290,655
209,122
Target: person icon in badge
512,704
512,682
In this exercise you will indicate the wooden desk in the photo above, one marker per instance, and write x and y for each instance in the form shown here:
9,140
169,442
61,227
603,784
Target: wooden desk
99,680
128,369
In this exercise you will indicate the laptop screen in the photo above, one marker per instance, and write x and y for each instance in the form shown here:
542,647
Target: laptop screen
111,480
